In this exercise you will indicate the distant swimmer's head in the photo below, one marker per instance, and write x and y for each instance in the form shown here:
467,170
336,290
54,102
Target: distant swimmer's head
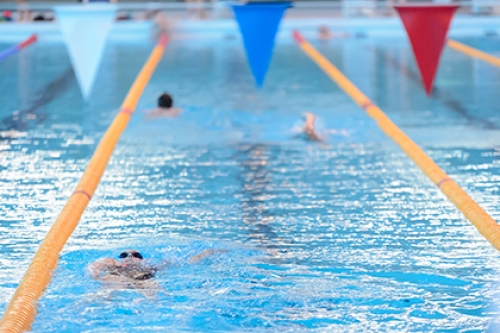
131,255
165,101
323,29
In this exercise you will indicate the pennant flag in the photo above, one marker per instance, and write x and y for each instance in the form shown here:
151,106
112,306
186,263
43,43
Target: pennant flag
427,26
259,24
85,28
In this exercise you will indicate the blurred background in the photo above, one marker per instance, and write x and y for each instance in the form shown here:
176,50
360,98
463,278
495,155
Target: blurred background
26,10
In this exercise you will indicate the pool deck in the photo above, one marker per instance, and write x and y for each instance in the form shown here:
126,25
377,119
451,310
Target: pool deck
136,31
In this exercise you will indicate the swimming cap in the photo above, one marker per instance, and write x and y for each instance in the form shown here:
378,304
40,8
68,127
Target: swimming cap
165,101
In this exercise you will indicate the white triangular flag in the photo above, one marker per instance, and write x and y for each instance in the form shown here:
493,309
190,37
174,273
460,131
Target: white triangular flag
85,28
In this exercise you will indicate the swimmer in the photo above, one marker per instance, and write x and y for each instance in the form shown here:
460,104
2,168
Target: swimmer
130,268
132,271
308,130
165,108
309,127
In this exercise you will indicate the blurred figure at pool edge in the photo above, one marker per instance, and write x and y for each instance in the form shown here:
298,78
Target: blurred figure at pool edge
24,14
165,108
196,9
324,32
7,16
161,24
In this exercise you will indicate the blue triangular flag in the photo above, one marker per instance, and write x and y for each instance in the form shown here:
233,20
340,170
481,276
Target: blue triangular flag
258,24
85,28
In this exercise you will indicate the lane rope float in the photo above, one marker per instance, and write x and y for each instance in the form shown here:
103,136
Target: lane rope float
475,53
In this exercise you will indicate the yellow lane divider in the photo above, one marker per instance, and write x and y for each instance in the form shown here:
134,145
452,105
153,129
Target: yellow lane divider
472,211
475,53
21,311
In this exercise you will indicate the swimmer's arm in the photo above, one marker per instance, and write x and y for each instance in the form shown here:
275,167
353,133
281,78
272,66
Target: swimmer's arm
204,254
96,268
163,265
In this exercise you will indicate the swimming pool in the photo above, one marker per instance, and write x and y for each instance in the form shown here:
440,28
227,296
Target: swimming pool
347,238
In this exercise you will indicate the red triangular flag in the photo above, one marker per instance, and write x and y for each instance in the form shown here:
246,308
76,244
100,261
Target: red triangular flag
427,27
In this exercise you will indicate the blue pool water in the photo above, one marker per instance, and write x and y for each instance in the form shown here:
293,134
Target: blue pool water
349,237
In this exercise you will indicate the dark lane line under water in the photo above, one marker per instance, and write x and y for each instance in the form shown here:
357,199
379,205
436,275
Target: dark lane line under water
21,120
255,180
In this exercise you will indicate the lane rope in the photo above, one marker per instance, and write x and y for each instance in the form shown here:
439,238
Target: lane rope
475,53
486,225
16,48
21,311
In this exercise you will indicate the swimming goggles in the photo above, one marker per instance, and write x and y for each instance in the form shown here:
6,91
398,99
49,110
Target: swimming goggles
127,254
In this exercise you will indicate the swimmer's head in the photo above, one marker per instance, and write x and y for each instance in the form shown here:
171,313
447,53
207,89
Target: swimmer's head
323,29
131,255
165,101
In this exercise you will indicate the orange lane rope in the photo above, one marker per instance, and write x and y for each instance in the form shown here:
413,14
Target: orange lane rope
472,52
21,311
472,211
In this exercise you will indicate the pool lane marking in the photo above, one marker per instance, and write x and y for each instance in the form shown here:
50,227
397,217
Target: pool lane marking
472,52
20,313
485,224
